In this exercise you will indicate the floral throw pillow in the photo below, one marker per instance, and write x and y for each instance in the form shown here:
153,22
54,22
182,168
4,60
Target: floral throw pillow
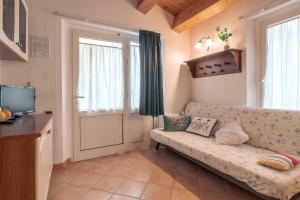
202,126
176,123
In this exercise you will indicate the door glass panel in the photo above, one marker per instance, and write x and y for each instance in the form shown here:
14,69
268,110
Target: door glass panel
9,18
101,76
134,61
22,27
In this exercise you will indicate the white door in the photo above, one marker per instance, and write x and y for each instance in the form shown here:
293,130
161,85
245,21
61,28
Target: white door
99,94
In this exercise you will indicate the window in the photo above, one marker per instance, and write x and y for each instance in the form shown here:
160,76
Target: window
100,75
282,76
134,62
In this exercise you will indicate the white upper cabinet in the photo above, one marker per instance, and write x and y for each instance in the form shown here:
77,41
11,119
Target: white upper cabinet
13,30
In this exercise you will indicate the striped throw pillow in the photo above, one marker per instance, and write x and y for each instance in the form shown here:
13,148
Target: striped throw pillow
280,161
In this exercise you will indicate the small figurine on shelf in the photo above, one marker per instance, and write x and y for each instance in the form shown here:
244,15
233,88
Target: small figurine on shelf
224,35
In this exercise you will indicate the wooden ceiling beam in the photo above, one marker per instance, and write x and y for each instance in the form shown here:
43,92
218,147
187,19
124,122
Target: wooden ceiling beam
145,6
198,12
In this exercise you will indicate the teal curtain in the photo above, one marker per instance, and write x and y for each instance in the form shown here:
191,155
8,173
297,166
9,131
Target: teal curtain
151,88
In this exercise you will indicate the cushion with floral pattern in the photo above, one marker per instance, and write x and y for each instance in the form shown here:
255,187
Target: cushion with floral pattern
176,123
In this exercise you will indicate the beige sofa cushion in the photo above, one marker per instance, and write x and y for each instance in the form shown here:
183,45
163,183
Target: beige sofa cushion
276,130
231,134
236,161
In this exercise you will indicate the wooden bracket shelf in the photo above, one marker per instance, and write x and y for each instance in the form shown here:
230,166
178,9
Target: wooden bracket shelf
225,62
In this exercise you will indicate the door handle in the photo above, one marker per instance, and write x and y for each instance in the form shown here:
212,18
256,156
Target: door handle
79,97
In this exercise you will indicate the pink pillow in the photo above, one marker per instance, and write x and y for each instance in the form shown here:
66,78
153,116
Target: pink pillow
294,160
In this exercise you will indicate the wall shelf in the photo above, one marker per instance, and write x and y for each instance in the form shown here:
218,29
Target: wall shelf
224,62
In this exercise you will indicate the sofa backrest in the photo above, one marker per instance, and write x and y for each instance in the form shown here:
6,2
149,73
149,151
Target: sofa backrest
276,130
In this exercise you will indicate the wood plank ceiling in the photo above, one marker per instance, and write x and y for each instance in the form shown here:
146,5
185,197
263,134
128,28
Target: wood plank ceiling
188,13
175,6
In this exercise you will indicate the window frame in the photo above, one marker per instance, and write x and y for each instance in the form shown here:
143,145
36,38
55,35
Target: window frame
112,35
257,50
278,22
129,76
264,46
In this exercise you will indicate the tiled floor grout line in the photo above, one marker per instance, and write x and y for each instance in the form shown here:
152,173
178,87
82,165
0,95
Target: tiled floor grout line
115,193
97,182
146,183
84,194
144,190
172,189
125,178
121,195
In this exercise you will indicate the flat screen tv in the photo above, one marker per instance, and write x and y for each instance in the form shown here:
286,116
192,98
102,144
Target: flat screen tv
19,100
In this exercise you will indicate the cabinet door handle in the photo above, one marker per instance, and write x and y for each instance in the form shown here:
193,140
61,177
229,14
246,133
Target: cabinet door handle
19,44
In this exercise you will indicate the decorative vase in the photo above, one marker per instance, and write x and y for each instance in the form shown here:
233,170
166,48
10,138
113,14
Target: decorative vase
226,47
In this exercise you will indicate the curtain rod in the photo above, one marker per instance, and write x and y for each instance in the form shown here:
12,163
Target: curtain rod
268,8
79,18
284,21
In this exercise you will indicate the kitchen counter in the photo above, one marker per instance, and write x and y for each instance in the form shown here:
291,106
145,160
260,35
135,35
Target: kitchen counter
30,127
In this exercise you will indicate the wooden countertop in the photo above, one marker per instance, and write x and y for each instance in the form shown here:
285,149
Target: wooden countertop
30,127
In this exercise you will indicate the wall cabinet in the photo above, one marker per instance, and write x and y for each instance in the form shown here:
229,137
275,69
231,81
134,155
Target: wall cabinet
13,30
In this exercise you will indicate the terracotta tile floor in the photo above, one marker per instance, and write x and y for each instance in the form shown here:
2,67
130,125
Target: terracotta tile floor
143,174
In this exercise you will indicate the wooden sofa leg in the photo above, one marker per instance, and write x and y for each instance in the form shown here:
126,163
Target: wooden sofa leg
157,146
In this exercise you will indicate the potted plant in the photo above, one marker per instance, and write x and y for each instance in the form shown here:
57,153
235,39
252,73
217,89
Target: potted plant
224,35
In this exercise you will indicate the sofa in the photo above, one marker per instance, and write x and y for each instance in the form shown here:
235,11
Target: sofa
268,130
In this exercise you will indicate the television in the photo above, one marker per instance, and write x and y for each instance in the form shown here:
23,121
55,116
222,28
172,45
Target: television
19,100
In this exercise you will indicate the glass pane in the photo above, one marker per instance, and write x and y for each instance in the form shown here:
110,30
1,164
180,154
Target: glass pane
22,27
9,18
134,76
100,75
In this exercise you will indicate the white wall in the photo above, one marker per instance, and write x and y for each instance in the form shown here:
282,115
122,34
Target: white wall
226,89
49,75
